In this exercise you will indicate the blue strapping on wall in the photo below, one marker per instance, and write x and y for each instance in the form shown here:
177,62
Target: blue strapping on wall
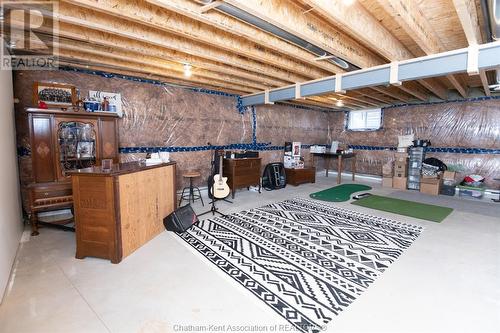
254,125
471,99
265,146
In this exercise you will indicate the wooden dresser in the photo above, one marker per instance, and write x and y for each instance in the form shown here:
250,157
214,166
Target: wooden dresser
118,211
61,141
242,172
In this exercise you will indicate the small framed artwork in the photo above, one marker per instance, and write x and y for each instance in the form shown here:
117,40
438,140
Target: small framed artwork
85,149
107,164
54,95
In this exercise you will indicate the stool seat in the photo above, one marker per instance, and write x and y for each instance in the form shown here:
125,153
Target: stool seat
191,195
191,174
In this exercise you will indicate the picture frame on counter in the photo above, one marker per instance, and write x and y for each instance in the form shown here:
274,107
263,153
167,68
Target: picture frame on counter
54,95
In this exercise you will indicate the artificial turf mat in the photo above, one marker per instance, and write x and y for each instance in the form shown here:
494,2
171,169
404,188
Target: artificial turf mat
404,207
339,193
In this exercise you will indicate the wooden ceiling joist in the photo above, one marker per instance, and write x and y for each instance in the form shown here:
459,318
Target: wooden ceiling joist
409,16
355,20
99,38
487,57
287,16
234,26
466,10
139,74
151,36
145,14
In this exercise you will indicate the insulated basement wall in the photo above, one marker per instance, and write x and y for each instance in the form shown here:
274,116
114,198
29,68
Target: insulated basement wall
473,125
174,117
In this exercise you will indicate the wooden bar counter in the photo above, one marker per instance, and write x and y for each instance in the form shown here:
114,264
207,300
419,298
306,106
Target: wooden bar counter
118,211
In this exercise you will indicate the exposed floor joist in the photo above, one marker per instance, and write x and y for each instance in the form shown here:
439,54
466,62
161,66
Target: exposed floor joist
411,19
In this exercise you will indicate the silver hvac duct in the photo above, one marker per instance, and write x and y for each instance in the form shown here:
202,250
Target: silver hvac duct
283,34
494,18
491,13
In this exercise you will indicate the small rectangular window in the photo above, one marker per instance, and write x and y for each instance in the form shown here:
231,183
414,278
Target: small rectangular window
364,120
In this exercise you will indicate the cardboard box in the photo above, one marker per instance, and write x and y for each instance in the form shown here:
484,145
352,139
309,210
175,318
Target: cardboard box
401,158
449,175
387,182
399,182
431,188
400,169
430,181
387,169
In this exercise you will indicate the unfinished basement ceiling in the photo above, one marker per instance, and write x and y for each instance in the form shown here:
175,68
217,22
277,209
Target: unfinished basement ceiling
156,38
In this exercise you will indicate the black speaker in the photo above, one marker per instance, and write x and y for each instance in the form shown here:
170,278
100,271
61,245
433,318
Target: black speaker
181,219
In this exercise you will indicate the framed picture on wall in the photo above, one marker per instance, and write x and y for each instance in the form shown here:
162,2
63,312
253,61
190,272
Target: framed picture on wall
54,95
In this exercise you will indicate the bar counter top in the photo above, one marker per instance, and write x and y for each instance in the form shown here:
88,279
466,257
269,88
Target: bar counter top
118,169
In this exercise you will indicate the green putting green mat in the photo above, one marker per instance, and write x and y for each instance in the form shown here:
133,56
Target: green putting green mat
404,207
339,193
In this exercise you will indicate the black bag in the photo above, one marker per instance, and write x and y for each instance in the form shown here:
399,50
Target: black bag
181,219
274,176
437,163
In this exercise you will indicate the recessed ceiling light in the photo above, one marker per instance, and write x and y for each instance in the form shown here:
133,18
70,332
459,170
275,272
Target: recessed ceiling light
348,2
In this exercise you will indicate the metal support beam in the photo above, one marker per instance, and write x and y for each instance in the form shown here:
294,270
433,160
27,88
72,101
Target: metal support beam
440,64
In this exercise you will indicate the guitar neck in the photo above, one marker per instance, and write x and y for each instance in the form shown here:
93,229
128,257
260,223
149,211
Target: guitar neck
220,165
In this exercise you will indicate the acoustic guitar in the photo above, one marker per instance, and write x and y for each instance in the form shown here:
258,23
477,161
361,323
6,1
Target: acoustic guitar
220,187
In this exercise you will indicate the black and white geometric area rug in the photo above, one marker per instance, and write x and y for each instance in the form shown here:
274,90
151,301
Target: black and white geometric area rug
305,259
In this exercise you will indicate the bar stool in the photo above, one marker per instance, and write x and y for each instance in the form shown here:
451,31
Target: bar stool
191,196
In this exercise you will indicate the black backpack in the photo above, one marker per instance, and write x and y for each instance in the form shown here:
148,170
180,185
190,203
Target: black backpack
274,176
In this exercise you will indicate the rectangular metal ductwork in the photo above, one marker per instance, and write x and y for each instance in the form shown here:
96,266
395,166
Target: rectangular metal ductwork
283,34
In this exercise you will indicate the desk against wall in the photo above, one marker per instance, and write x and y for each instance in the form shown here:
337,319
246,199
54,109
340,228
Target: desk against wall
118,211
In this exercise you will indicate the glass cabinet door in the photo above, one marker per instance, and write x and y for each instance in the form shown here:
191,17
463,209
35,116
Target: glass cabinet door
77,145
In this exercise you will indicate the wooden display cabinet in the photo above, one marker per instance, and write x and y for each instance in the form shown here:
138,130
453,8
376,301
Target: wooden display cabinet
62,141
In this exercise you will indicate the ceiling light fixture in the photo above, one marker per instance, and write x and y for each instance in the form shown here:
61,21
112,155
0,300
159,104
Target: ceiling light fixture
187,70
348,2
339,103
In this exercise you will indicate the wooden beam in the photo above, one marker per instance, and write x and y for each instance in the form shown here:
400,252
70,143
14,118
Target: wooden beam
414,90
409,16
140,66
368,93
358,22
466,10
484,82
435,87
69,34
236,27
289,17
391,93
161,20
212,5
198,75
99,38
141,74
87,19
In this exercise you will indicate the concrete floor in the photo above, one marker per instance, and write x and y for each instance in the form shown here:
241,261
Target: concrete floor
447,281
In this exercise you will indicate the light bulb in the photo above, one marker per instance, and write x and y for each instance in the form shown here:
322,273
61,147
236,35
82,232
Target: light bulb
339,103
187,70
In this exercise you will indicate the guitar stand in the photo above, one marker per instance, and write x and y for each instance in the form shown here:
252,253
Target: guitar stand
213,209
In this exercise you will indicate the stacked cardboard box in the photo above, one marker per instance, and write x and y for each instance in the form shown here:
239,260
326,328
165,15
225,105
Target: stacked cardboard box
387,173
400,171
431,185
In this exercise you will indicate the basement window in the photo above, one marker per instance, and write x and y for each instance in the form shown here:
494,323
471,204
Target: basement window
364,120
